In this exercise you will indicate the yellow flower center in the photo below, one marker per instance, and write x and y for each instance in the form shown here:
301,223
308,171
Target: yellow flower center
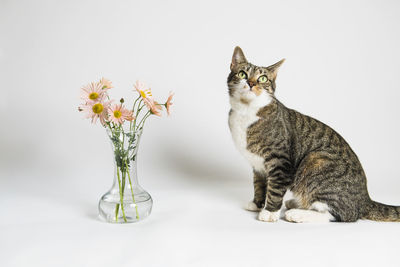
117,114
143,94
98,108
93,95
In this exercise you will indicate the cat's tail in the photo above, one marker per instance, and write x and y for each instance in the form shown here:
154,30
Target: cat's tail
381,212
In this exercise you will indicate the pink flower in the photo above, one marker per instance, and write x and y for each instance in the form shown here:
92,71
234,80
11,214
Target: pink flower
155,108
168,104
118,114
96,110
93,92
147,98
143,91
106,83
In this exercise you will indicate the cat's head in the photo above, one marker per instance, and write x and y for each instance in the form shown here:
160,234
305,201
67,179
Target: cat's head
248,82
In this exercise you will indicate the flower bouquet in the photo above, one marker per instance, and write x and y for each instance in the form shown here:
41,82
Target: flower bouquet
126,201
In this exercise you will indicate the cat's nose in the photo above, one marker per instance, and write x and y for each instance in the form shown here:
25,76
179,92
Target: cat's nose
250,83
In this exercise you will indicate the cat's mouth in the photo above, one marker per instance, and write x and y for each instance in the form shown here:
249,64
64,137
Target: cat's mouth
254,89
246,87
244,93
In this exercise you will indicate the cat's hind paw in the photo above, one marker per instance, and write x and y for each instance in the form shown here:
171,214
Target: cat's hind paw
268,216
291,204
251,206
307,216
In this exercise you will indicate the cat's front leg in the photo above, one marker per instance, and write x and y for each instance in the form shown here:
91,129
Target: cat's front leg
277,185
260,185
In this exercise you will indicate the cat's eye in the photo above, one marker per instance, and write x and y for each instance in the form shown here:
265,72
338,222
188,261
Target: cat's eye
262,79
242,75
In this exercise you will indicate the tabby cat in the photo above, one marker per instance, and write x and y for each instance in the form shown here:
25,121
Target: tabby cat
291,151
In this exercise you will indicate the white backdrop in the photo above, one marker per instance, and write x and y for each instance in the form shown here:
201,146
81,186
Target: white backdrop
342,65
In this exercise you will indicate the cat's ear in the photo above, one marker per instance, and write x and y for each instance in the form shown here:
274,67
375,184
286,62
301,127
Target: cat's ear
238,57
273,69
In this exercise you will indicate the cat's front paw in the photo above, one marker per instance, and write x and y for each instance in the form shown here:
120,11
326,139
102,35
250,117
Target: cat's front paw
268,216
251,206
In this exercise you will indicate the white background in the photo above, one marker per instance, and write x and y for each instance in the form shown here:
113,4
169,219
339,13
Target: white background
342,67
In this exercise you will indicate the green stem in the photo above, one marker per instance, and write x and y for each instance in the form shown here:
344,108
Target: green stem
133,110
123,153
139,108
133,196
121,196
134,104
123,182
116,212
144,120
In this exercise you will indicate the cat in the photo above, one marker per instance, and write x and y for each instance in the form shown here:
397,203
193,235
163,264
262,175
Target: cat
289,151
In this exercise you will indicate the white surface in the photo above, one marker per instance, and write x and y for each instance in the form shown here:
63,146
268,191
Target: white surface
342,65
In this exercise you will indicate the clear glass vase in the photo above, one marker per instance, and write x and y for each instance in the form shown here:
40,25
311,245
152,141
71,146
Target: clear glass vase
126,201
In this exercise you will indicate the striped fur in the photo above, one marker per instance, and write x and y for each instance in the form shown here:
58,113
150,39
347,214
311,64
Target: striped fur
299,153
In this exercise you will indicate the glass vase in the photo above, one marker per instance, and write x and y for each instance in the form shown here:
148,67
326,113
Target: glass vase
126,201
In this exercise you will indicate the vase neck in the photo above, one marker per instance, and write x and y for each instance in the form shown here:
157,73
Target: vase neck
124,148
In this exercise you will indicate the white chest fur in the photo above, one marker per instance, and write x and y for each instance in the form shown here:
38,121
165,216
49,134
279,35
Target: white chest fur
238,123
241,117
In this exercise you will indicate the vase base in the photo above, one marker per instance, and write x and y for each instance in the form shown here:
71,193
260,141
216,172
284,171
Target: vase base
111,210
